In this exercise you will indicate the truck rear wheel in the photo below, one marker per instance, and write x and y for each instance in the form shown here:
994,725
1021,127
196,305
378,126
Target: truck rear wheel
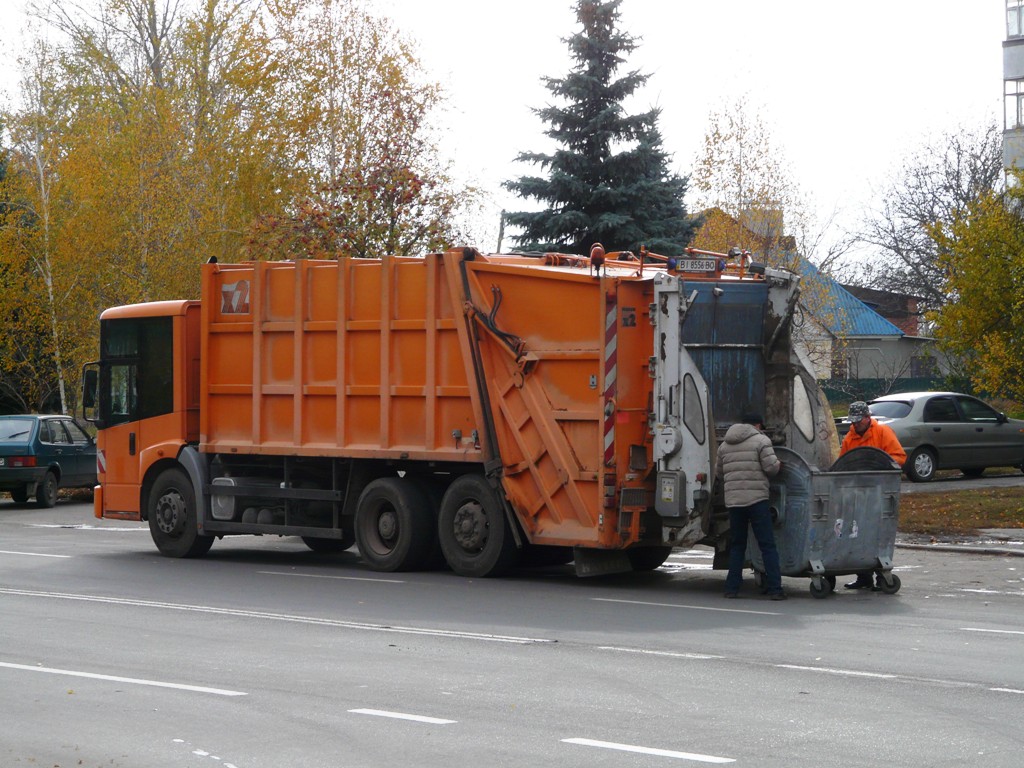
473,531
394,528
648,558
172,517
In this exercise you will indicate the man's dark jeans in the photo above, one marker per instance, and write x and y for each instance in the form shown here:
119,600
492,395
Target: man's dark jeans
759,517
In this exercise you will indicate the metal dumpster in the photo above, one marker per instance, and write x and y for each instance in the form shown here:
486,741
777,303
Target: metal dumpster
833,523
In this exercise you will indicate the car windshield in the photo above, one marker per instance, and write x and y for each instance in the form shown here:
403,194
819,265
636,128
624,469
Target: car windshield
889,409
15,429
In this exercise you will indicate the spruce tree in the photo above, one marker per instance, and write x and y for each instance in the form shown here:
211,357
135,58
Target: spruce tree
609,181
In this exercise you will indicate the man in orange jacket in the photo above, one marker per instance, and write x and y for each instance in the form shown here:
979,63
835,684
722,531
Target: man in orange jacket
865,432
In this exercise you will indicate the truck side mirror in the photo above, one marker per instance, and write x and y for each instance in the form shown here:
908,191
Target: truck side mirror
90,392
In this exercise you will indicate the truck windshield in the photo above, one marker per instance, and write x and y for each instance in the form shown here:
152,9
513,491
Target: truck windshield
137,369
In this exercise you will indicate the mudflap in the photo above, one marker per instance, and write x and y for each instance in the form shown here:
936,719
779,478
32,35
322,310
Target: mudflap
600,562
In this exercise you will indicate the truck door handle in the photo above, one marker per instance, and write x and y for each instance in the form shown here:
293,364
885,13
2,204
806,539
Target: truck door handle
131,443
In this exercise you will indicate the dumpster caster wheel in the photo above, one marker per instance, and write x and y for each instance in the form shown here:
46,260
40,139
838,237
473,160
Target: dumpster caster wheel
819,588
886,587
831,581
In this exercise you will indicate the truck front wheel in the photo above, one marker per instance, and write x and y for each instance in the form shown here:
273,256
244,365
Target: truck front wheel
172,517
473,531
394,527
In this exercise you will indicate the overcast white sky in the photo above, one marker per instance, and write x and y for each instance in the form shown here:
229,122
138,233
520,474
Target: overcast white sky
848,89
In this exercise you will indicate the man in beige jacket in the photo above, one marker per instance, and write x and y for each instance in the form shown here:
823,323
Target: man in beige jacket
745,462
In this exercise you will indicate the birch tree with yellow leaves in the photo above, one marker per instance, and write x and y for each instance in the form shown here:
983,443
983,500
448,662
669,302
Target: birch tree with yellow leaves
156,134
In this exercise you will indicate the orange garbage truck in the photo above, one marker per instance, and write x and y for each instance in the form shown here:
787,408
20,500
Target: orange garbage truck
459,409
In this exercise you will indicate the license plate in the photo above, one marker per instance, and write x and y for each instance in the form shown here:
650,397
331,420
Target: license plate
696,265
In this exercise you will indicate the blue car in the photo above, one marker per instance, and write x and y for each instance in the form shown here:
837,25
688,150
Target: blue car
39,454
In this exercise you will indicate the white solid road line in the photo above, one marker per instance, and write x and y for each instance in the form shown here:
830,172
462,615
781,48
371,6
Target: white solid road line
450,633
130,680
650,751
993,631
834,671
339,578
30,554
685,607
403,716
672,654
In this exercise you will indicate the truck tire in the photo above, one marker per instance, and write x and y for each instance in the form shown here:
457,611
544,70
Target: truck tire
172,517
473,530
648,558
329,546
46,491
19,495
433,492
394,528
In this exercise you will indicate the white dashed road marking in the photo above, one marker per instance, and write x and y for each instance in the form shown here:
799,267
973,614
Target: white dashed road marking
403,716
30,554
650,751
130,680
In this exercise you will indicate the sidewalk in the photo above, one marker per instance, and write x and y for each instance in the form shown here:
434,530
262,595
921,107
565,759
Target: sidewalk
1006,542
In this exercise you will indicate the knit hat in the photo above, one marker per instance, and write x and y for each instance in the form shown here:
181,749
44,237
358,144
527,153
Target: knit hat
858,411
752,418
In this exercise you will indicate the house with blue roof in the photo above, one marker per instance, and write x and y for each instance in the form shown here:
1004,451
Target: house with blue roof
849,341
859,347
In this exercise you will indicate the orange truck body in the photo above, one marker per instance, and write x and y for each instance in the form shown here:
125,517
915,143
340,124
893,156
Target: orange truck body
373,359
485,407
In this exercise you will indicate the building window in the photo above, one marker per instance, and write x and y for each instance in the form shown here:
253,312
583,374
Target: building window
1014,18
1013,103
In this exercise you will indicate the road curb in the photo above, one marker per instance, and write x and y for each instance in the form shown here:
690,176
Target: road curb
964,549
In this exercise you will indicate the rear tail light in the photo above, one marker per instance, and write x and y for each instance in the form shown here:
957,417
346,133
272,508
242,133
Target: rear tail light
21,461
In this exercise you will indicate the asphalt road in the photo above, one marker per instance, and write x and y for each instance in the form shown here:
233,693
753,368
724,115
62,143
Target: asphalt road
265,654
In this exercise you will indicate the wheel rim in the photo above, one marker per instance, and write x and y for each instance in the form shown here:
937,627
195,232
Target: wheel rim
470,527
170,513
50,489
387,528
923,465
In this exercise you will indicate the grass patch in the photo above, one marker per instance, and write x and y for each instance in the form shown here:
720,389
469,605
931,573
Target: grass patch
962,512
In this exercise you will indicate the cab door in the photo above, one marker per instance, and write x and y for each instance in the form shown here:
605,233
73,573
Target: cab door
117,460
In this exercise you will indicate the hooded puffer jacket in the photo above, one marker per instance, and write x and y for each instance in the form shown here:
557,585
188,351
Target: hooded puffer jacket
746,461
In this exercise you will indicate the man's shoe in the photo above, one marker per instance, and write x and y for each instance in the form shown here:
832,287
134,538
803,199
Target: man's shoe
859,584
777,596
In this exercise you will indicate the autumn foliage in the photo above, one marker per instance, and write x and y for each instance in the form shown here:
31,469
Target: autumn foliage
152,135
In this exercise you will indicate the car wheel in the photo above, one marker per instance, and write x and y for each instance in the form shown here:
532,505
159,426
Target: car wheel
19,496
920,467
46,491
172,517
